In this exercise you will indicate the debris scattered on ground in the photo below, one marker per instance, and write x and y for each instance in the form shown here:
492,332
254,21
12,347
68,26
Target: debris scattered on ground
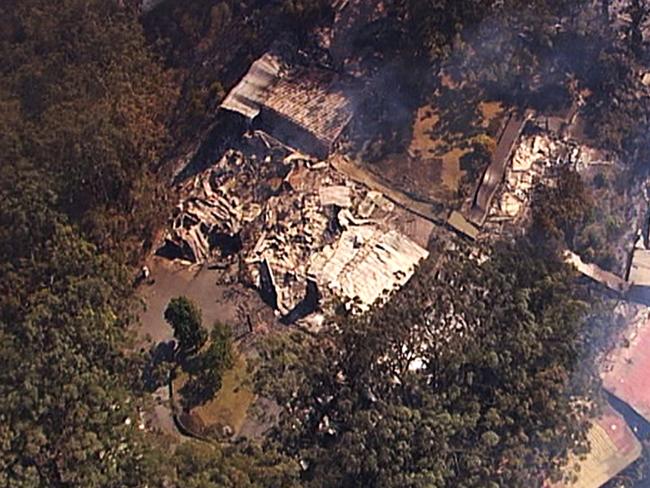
532,158
536,158
219,202
366,263
303,230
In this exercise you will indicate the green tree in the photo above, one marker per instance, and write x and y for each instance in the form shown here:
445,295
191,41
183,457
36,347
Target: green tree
464,378
185,318
83,111
202,465
560,212
218,355
88,111
207,367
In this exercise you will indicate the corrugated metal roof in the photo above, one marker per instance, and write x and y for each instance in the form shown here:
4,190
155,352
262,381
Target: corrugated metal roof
640,268
339,195
462,225
627,369
613,448
494,174
308,97
366,263
610,280
250,93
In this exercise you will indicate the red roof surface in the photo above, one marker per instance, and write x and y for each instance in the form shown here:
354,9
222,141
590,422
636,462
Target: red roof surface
617,431
627,370
613,447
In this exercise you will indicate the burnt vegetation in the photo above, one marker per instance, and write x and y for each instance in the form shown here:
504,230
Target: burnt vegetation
466,378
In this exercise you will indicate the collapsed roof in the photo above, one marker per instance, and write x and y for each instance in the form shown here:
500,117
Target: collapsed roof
248,96
303,230
219,202
304,107
367,262
335,234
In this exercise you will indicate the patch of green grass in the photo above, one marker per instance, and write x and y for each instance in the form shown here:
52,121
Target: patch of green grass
231,403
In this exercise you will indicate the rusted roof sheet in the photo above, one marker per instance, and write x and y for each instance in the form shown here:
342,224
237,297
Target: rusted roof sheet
613,448
627,369
496,171
311,99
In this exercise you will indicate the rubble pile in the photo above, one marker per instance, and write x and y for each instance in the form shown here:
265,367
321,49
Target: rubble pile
293,226
219,202
533,156
366,263
331,248
303,231
333,234
533,161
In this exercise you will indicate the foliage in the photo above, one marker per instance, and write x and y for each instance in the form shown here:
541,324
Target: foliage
435,23
567,213
185,318
474,162
501,350
211,43
201,465
83,108
559,210
207,367
87,111
83,111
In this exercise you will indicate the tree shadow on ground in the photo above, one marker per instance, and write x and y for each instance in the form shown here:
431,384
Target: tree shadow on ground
160,363
199,389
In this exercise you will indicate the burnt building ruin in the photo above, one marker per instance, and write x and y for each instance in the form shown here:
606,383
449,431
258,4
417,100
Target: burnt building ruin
305,108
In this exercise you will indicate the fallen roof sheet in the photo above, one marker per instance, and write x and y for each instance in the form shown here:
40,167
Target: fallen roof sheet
627,369
366,263
495,172
219,202
368,179
640,268
310,99
613,448
339,195
610,280
461,224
